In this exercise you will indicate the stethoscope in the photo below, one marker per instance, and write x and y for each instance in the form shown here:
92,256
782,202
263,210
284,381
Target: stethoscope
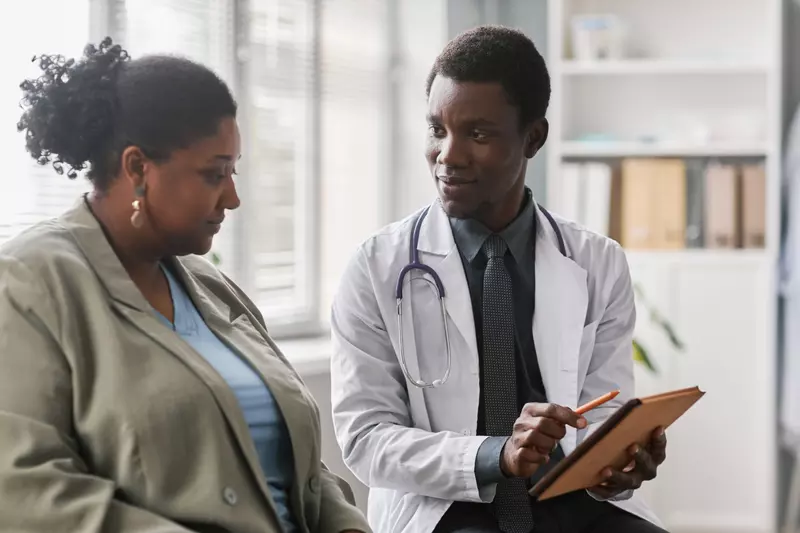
436,283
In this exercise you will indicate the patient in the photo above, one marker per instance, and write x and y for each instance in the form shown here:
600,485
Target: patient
139,388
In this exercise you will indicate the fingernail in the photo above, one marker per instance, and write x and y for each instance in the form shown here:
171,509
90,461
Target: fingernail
635,449
607,473
582,423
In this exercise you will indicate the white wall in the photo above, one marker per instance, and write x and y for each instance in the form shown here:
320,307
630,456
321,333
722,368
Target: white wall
423,34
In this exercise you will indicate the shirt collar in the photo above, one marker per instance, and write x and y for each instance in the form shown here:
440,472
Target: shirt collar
470,234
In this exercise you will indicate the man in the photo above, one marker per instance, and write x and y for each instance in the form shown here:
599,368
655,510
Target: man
539,318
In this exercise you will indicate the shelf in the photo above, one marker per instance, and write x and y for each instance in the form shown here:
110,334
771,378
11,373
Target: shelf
631,149
658,67
699,256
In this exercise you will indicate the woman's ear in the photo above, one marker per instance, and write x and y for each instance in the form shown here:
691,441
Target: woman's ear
133,164
537,136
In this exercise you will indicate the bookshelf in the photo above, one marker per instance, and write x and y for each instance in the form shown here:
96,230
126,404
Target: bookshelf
698,81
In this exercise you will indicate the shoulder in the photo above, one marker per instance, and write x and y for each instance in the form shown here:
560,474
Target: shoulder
38,267
41,245
47,250
386,246
602,257
392,234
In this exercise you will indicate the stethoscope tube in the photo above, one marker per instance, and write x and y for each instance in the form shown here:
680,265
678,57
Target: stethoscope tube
436,283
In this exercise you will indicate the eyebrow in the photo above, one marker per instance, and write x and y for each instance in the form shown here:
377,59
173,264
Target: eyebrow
470,121
226,158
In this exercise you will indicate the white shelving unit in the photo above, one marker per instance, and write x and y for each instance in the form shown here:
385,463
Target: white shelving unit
689,64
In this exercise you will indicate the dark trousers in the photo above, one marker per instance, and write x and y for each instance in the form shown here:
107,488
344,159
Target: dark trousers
576,512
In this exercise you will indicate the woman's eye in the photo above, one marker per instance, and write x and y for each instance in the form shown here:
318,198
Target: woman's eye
214,175
479,135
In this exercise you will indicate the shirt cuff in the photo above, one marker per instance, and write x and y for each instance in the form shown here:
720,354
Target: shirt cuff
487,467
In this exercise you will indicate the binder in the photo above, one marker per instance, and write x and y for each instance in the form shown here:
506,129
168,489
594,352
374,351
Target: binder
695,185
597,197
669,212
568,198
754,200
653,203
637,201
633,423
721,206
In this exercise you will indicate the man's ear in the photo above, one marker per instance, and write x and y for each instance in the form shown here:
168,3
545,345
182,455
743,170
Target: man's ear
536,137
133,165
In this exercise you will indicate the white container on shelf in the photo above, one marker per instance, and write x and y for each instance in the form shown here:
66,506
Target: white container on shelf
597,37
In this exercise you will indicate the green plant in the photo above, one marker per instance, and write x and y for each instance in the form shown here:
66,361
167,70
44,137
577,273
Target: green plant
640,354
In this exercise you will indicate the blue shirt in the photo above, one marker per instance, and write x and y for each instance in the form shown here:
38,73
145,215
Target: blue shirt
264,418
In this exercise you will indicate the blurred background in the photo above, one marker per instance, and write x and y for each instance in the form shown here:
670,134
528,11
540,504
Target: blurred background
672,131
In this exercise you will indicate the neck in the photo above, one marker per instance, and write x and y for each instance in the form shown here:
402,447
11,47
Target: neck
139,260
497,217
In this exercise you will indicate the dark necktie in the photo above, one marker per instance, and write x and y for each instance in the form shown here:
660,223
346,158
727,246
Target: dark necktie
511,504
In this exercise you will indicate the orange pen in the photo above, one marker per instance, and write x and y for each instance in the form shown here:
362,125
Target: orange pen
588,406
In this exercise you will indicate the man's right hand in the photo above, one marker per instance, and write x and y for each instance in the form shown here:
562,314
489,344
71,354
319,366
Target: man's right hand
536,433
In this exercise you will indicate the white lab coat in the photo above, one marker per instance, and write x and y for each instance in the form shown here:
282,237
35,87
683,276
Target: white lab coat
416,448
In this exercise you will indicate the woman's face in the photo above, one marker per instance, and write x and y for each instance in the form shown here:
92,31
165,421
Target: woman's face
188,194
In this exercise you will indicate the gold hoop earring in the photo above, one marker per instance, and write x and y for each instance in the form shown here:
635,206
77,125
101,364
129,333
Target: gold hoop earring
137,218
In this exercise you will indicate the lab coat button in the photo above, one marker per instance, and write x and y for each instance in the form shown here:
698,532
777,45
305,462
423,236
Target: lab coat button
313,484
230,496
466,432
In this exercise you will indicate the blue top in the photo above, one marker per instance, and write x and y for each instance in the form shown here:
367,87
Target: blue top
264,418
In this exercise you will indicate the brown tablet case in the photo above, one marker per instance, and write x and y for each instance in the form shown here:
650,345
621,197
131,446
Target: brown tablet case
632,423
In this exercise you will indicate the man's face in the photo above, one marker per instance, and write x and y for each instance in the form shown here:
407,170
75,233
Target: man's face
477,150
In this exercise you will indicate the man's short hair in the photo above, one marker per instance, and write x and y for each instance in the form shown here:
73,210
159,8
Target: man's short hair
493,53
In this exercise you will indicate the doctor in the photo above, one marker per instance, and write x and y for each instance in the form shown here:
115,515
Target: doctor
454,387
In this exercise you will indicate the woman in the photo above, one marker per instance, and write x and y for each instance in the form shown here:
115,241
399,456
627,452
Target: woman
140,390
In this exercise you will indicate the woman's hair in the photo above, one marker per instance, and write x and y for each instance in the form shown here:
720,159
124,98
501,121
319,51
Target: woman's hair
87,111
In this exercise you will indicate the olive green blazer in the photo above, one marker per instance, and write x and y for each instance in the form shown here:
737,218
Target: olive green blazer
110,422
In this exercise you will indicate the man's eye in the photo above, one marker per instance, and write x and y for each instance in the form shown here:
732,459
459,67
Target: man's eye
437,131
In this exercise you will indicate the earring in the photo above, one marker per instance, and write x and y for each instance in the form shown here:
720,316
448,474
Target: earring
137,218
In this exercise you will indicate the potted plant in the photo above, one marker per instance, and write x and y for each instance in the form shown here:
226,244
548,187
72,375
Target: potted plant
640,353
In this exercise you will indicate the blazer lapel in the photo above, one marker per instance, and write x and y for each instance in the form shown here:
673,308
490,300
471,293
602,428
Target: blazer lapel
248,339
561,302
131,304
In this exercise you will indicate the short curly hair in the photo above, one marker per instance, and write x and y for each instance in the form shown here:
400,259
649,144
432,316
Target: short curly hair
85,112
492,53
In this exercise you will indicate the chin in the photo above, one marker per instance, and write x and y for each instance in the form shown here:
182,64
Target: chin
204,247
192,246
456,209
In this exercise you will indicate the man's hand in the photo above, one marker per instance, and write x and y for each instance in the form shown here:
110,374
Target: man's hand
536,433
643,467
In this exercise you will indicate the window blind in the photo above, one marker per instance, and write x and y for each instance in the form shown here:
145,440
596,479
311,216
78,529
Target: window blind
278,78
355,127
309,79
32,192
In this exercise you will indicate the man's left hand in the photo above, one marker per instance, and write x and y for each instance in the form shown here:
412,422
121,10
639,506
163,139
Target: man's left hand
644,464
